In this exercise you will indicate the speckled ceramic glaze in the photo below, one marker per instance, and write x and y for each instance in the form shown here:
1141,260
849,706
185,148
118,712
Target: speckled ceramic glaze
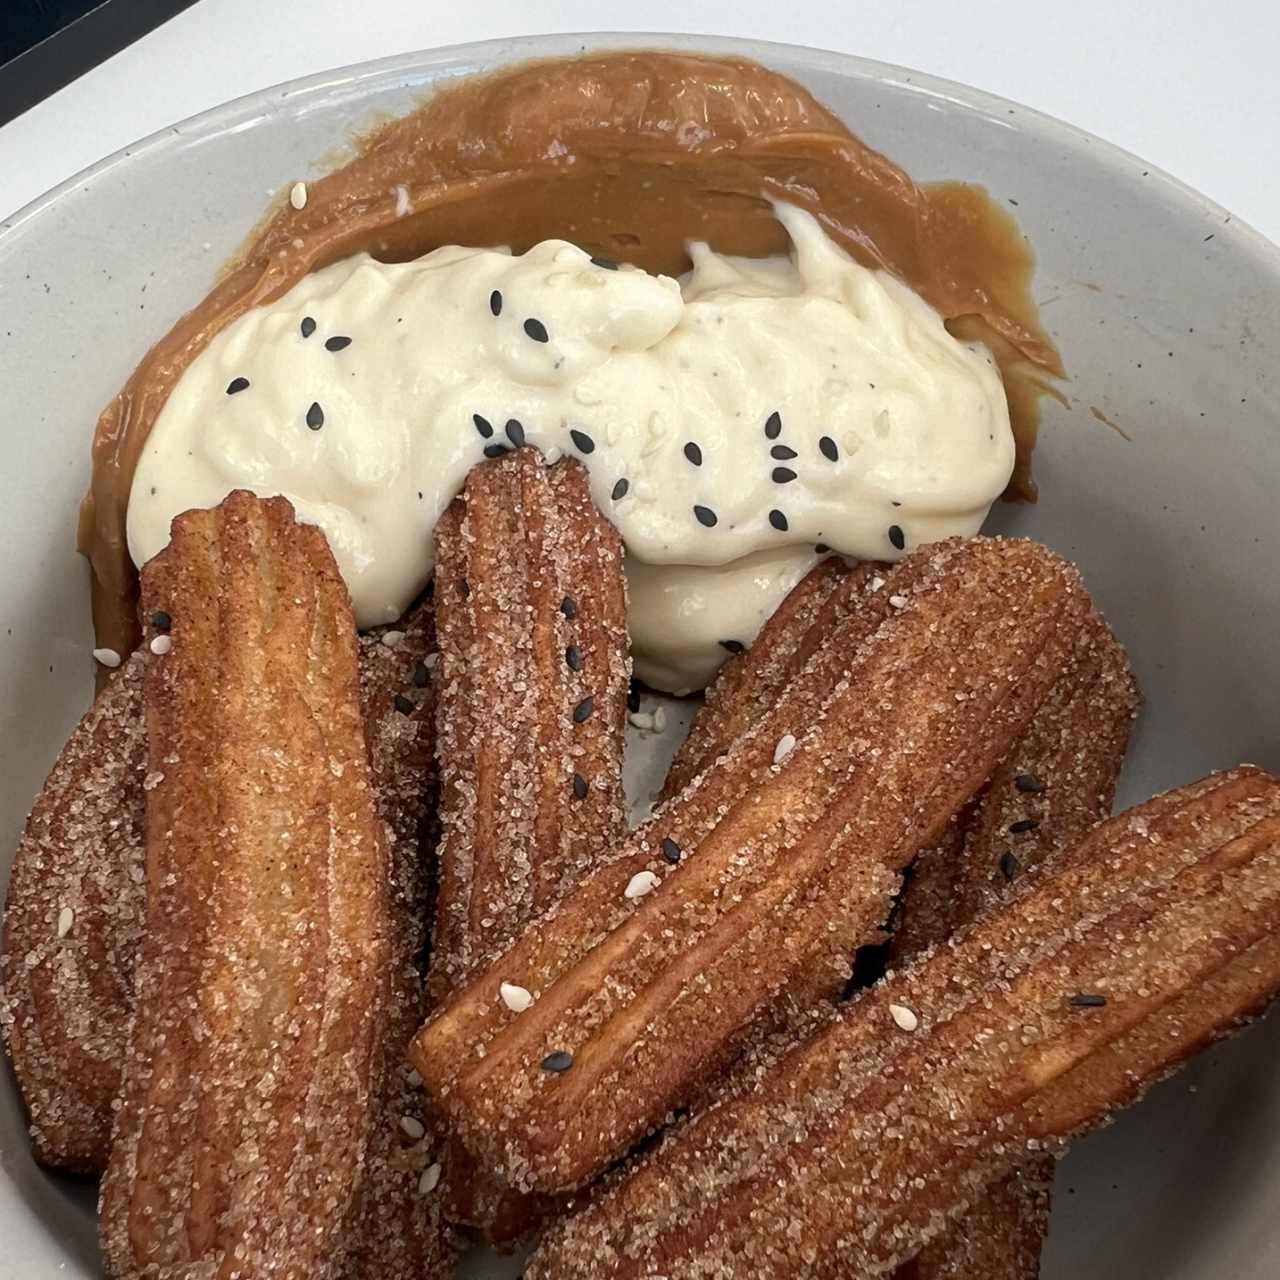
1159,476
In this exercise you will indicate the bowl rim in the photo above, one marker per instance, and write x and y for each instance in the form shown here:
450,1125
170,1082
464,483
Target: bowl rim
457,60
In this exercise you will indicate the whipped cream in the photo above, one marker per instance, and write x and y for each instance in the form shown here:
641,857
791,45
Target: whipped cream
757,410
685,620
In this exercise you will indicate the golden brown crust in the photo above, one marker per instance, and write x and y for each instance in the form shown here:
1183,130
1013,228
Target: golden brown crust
262,977
999,1238
515,834
648,993
748,684
1102,973
1061,776
73,917
531,605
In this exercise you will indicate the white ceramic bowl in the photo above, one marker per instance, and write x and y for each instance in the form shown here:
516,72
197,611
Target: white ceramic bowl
1168,313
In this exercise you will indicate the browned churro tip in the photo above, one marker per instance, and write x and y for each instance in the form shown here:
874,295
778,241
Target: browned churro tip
532,686
1169,911
648,973
255,1031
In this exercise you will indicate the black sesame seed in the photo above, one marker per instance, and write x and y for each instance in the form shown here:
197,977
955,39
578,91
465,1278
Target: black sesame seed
403,705
464,588
670,850
580,787
620,490
633,698
315,417
535,329
495,450
773,425
237,385
483,425
778,520
307,327
583,442
783,453
607,263
515,432
495,302
895,504
1023,824
821,548
734,646
573,656
897,537
338,343
421,675
583,710
827,447
1029,783
693,453
1087,1000
568,608
161,620
1009,865
705,516
561,1060
783,475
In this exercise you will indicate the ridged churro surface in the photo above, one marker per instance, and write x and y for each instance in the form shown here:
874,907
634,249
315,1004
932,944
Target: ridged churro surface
645,976
73,917
1101,974
252,1066
533,680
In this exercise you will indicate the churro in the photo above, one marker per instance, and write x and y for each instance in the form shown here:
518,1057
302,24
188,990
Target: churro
262,976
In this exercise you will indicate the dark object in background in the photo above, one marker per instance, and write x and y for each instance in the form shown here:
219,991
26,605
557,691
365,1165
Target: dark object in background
45,44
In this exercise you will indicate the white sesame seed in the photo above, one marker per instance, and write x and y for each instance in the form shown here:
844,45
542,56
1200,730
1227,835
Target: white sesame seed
160,645
516,998
107,657
904,1017
641,720
431,661
786,745
430,1179
898,602
66,918
402,201
641,883
298,195
392,639
659,719
414,1080
877,583
413,1128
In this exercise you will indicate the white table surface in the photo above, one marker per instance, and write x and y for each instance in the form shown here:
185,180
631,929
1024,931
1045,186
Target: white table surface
1188,85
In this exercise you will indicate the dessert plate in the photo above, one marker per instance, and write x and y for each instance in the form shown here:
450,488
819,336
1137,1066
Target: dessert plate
1158,475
